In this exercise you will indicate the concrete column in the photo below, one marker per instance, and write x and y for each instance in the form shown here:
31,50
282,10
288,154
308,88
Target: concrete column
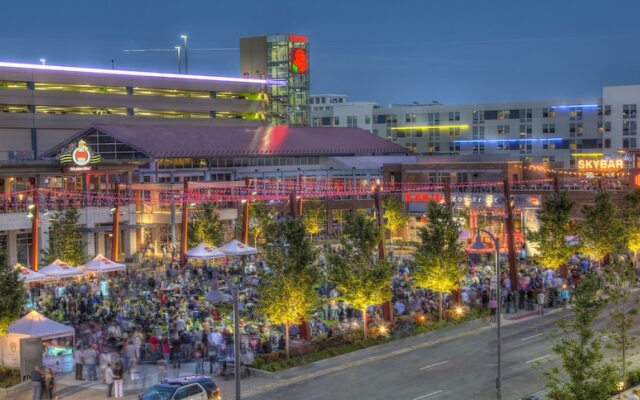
129,241
90,240
100,248
12,247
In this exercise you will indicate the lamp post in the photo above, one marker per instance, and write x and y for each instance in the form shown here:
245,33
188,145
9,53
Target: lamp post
186,52
478,245
216,296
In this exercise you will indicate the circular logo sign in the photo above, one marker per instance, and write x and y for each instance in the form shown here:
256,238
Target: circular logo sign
81,156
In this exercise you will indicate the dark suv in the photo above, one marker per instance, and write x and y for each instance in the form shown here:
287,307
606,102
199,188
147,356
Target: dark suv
185,388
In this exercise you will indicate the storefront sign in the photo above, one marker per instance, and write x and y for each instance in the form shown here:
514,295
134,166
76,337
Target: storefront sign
422,197
80,157
473,200
601,165
299,62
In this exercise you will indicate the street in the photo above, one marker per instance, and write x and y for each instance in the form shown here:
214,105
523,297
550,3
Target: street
462,368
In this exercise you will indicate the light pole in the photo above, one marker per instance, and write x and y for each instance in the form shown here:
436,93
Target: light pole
43,60
479,245
186,52
178,49
216,296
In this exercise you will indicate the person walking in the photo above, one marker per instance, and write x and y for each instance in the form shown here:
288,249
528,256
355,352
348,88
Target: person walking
541,299
49,384
493,306
78,357
564,295
118,379
37,380
198,356
108,379
90,359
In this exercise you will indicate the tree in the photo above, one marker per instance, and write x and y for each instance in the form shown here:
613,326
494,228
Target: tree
65,239
314,217
631,217
601,233
361,278
438,258
260,217
554,251
620,277
394,214
287,294
580,350
206,226
13,297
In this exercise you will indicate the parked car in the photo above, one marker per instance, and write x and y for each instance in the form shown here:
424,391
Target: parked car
184,388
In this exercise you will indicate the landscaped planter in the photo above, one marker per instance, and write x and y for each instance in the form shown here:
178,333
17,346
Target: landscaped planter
10,392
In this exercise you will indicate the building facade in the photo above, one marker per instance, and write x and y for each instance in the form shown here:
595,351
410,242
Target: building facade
42,105
537,131
284,61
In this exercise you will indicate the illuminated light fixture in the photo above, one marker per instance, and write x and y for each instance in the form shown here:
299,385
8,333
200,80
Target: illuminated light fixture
43,60
421,127
587,154
508,140
192,204
298,38
129,73
299,61
561,107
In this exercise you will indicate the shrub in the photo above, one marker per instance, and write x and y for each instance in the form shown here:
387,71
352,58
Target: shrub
9,377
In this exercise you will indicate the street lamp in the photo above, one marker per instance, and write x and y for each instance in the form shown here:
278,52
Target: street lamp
479,245
43,60
216,296
178,50
186,64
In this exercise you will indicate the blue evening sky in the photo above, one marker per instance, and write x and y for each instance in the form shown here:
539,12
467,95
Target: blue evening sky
453,51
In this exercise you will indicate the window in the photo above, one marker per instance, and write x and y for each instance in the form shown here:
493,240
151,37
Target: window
13,85
548,145
352,121
478,116
503,129
548,113
548,128
575,113
478,132
454,147
629,143
23,245
525,115
336,121
629,111
454,116
629,128
410,118
575,129
392,119
604,127
526,130
181,394
454,132
82,110
367,119
433,118
607,109
411,147
504,114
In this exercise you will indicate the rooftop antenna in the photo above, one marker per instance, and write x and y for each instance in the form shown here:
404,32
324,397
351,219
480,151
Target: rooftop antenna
113,64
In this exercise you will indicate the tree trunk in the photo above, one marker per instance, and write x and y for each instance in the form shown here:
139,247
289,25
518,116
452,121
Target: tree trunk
286,340
364,322
441,305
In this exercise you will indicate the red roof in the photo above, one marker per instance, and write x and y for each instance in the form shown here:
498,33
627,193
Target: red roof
204,141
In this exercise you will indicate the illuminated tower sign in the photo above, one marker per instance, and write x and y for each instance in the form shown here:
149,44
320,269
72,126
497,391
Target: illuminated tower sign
284,60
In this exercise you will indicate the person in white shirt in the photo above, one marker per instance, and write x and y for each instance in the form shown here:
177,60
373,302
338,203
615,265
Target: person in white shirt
108,379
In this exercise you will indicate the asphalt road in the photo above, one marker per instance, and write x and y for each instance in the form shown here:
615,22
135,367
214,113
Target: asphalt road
462,368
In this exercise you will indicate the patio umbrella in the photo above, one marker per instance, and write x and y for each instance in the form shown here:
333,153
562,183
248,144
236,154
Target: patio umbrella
204,251
60,270
237,248
29,276
101,264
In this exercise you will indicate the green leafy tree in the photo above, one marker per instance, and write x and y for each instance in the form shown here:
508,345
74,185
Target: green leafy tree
13,298
260,217
554,251
361,278
206,227
620,278
439,256
580,351
65,239
287,294
601,232
631,217
314,217
395,215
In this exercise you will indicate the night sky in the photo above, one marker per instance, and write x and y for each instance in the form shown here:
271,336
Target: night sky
397,51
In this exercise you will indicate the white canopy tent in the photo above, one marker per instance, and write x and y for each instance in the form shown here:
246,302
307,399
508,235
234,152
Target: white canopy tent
60,270
35,324
237,248
29,276
101,264
204,251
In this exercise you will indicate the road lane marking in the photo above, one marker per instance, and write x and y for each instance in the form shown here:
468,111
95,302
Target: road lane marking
434,365
538,359
428,395
531,337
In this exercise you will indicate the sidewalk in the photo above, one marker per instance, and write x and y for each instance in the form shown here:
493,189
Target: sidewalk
69,388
